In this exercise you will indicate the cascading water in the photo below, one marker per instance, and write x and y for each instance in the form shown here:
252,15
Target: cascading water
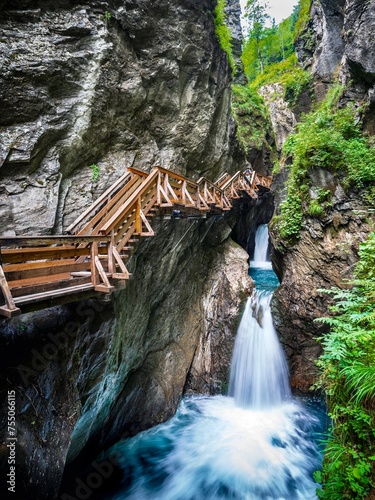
256,445
261,247
259,373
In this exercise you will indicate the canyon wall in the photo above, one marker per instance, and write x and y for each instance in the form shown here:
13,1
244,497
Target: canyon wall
336,44
88,89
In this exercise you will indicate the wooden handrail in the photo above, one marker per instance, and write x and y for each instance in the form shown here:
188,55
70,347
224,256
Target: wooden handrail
102,199
37,268
130,202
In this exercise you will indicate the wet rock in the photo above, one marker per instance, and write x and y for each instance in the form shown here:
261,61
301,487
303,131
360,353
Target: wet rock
323,258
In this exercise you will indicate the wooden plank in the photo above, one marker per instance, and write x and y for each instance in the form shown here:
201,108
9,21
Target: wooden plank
17,255
43,269
37,280
35,241
52,285
52,294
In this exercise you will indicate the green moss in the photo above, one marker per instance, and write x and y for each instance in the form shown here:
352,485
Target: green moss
223,32
329,138
303,17
289,74
251,116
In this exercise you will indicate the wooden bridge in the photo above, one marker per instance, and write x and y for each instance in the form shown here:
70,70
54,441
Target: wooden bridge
92,256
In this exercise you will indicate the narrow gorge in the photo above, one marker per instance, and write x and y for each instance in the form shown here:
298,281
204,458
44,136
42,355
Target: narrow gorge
225,285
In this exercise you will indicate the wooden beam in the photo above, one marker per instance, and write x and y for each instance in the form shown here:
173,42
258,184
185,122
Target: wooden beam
102,273
36,241
150,231
16,272
18,255
93,268
124,272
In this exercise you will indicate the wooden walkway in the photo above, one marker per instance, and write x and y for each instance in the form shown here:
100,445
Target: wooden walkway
92,256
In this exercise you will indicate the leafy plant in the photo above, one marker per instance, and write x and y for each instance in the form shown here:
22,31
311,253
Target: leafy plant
95,172
223,32
329,138
348,377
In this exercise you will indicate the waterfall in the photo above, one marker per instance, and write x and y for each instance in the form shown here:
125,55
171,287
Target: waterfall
257,445
259,374
261,245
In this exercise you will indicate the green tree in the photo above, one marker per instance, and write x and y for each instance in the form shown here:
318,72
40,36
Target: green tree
256,13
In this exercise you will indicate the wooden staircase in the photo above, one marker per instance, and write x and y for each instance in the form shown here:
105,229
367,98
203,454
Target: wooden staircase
92,257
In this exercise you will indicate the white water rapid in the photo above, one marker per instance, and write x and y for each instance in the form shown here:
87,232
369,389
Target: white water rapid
258,445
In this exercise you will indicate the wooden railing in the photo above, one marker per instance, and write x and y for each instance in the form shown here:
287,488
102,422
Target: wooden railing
91,258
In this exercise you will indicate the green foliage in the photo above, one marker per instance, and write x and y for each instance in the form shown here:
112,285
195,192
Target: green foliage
315,209
95,172
329,138
289,74
265,47
303,17
348,377
107,15
223,32
251,116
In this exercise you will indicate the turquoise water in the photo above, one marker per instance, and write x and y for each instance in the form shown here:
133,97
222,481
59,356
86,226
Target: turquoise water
216,449
212,449
260,444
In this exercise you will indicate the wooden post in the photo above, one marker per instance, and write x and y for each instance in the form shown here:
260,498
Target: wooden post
158,194
111,260
93,268
11,309
138,220
183,194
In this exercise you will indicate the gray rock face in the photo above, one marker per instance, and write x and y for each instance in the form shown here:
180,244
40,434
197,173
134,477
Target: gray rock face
321,46
323,258
119,84
90,373
282,117
359,35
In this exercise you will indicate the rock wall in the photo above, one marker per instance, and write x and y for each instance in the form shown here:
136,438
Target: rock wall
115,84
336,44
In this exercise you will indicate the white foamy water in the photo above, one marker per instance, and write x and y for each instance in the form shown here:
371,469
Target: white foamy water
213,449
259,373
257,445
